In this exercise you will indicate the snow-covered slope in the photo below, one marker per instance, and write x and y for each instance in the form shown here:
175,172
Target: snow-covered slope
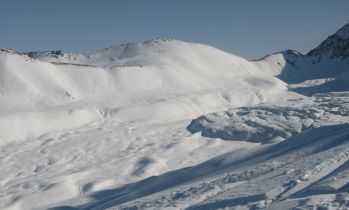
154,67
308,171
169,124
71,113
130,82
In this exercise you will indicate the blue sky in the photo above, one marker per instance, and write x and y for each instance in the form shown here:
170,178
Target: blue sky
249,28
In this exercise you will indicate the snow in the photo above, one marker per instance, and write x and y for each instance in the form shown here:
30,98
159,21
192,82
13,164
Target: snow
267,123
264,177
24,125
190,80
76,129
165,124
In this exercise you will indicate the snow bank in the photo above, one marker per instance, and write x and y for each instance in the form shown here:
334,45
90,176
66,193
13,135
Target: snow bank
269,123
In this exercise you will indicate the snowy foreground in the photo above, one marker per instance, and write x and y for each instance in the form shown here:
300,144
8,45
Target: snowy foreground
165,124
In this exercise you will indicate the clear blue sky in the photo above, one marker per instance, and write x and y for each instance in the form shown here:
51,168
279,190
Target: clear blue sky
249,28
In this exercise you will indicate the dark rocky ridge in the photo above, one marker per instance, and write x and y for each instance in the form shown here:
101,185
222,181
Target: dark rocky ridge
336,45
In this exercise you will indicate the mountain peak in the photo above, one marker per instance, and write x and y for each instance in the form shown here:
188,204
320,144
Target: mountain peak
343,32
162,39
335,46
290,52
150,42
287,53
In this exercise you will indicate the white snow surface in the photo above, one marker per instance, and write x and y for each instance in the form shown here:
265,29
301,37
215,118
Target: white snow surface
166,124
163,80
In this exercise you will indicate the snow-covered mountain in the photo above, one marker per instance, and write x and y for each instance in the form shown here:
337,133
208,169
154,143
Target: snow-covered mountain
170,124
335,46
329,60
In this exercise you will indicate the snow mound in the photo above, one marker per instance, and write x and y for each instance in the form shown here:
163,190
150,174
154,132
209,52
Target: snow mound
149,69
269,123
135,81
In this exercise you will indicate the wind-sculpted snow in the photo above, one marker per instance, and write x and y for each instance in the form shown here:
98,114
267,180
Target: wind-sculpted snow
268,123
271,177
73,124
120,128
143,82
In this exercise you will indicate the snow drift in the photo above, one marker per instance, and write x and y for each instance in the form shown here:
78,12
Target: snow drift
141,81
